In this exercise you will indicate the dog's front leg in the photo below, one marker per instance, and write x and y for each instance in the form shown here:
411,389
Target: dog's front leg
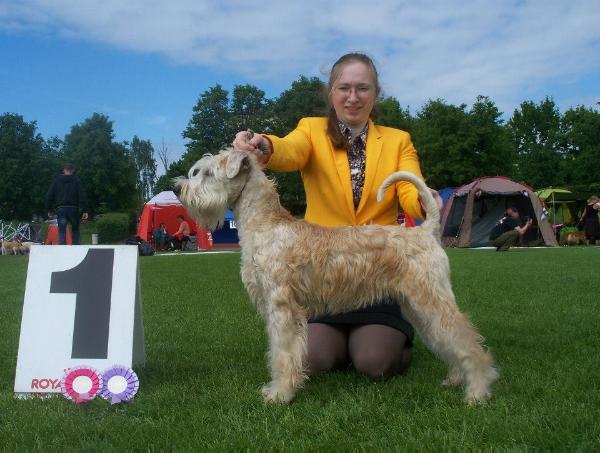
286,326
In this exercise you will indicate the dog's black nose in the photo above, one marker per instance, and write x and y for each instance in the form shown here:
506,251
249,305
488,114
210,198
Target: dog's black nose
177,189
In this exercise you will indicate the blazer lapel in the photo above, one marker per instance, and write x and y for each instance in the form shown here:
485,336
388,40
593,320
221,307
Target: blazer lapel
373,151
340,157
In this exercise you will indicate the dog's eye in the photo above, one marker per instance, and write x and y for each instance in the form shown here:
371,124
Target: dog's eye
195,172
208,172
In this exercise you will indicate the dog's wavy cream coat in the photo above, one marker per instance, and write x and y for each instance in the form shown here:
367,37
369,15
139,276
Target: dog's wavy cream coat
293,270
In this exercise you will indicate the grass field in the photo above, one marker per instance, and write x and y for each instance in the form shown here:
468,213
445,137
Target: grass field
538,309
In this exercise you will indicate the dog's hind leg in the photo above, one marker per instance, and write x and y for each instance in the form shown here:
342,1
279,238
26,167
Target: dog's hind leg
287,330
450,335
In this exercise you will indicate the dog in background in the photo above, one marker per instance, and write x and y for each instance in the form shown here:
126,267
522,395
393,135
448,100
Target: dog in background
293,270
11,247
16,247
572,238
26,247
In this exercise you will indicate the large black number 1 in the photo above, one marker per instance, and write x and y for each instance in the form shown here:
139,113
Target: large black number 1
91,280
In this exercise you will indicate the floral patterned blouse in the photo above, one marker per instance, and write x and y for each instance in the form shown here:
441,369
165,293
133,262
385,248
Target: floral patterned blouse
356,159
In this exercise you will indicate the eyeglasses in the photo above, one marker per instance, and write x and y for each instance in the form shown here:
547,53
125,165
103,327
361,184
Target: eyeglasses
345,90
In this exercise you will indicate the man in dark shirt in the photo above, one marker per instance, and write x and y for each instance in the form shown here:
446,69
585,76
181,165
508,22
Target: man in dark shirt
508,229
65,197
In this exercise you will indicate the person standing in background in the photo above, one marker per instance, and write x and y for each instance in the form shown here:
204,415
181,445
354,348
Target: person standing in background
589,221
66,197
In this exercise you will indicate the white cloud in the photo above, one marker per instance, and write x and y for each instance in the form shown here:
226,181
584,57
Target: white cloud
430,49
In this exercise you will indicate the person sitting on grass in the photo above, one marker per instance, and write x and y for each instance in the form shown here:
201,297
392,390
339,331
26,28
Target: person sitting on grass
182,235
161,237
508,230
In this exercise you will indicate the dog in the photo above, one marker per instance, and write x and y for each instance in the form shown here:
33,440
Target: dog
26,247
293,270
11,247
572,238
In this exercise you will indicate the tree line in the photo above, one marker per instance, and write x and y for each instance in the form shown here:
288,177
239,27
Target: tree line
538,145
116,176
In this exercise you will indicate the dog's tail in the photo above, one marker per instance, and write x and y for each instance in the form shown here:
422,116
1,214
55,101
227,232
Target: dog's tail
432,212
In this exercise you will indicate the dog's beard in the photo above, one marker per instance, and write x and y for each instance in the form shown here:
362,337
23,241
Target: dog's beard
205,206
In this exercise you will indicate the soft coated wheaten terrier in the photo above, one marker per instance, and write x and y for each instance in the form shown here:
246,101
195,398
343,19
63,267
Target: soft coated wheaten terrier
293,270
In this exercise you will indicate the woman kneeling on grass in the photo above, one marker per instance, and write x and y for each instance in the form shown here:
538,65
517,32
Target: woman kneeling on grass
343,159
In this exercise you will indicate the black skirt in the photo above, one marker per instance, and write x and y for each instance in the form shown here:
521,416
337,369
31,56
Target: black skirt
385,313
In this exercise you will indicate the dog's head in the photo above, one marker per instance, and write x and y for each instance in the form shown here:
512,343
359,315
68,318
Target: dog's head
214,183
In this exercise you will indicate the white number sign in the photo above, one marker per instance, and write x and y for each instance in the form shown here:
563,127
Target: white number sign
82,306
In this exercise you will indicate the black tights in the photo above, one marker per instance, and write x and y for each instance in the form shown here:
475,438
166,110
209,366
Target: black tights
375,350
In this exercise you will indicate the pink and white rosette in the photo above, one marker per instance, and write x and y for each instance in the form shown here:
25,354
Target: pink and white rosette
81,384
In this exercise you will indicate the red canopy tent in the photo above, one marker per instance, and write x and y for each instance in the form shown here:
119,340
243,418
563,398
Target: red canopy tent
164,208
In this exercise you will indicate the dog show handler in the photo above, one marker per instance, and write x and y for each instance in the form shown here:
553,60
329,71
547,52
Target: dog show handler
343,159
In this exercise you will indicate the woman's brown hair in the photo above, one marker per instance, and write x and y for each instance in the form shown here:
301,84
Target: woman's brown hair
333,129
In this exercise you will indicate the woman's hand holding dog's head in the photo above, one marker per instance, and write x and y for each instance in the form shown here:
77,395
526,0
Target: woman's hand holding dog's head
253,143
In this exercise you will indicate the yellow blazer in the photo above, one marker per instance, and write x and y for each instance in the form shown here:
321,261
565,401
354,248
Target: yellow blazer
326,174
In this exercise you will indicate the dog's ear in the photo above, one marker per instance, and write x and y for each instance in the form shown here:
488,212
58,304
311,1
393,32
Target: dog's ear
236,161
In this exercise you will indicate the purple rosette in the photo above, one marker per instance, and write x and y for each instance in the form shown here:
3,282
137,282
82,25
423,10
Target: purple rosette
120,384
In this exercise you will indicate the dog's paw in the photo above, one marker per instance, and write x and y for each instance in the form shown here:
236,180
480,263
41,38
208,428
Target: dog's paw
272,393
475,398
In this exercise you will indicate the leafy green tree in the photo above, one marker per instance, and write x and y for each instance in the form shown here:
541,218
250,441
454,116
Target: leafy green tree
580,133
249,110
106,169
165,182
142,153
208,131
494,153
26,168
306,97
391,114
457,145
535,132
54,146
443,138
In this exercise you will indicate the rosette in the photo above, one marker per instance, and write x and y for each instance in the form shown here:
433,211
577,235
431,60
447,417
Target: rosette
120,384
81,384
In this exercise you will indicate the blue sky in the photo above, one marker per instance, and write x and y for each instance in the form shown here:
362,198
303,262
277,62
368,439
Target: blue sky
145,63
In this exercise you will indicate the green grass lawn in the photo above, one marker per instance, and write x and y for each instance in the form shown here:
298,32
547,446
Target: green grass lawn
538,309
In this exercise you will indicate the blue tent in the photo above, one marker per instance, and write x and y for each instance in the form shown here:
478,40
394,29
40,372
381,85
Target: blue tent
446,193
227,234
